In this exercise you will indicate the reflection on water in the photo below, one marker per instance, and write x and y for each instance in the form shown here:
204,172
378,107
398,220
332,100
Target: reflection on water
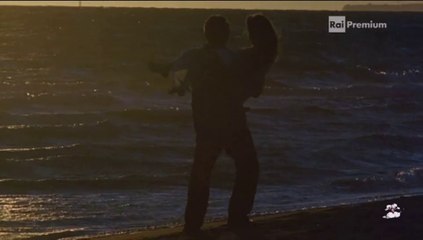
19,213
66,215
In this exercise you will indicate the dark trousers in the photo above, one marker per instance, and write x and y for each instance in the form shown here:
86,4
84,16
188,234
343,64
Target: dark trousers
239,145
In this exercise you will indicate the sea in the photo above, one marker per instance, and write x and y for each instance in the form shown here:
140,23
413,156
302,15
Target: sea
92,143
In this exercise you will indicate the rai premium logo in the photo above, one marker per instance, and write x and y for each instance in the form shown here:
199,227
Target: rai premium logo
340,24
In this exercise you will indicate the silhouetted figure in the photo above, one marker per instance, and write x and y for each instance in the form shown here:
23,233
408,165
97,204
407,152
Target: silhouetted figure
254,62
250,66
221,80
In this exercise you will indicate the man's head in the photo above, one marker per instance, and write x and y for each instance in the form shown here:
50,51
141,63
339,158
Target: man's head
216,30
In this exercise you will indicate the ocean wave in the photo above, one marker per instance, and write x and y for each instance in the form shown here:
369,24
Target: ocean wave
44,234
363,184
392,141
94,184
90,158
56,118
318,110
76,100
410,178
97,130
298,110
31,149
173,114
33,152
345,90
52,117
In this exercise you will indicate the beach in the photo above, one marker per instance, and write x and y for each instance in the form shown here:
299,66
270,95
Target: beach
350,221
92,143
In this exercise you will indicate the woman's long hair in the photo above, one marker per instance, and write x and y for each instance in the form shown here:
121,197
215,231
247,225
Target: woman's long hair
263,37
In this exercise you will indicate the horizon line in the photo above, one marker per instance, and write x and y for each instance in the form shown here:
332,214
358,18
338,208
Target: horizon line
223,5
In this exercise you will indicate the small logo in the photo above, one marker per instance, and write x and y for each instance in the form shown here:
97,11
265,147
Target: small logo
393,211
337,24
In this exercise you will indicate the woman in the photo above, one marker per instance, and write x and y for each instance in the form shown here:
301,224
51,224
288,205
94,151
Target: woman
255,61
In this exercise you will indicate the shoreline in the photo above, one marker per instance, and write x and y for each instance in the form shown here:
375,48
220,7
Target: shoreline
349,221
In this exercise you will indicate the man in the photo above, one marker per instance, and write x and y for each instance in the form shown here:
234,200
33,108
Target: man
220,124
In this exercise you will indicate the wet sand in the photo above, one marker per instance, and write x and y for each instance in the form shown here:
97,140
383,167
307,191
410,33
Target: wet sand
352,221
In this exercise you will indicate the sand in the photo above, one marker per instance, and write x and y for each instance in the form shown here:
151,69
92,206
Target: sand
353,221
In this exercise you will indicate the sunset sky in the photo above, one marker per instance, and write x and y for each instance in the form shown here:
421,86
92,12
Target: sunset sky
308,5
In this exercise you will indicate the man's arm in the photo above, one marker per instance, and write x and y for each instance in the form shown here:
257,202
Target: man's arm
164,68
178,70
161,68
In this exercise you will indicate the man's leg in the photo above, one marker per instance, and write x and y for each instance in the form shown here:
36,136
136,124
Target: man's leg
206,153
242,150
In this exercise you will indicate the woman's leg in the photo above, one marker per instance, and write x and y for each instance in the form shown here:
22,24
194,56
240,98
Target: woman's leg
243,151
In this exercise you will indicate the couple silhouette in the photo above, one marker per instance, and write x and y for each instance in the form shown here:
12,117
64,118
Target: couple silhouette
220,81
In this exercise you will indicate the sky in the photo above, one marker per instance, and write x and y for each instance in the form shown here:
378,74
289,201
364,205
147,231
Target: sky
280,5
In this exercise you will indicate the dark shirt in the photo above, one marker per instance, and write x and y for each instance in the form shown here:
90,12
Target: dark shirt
221,80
